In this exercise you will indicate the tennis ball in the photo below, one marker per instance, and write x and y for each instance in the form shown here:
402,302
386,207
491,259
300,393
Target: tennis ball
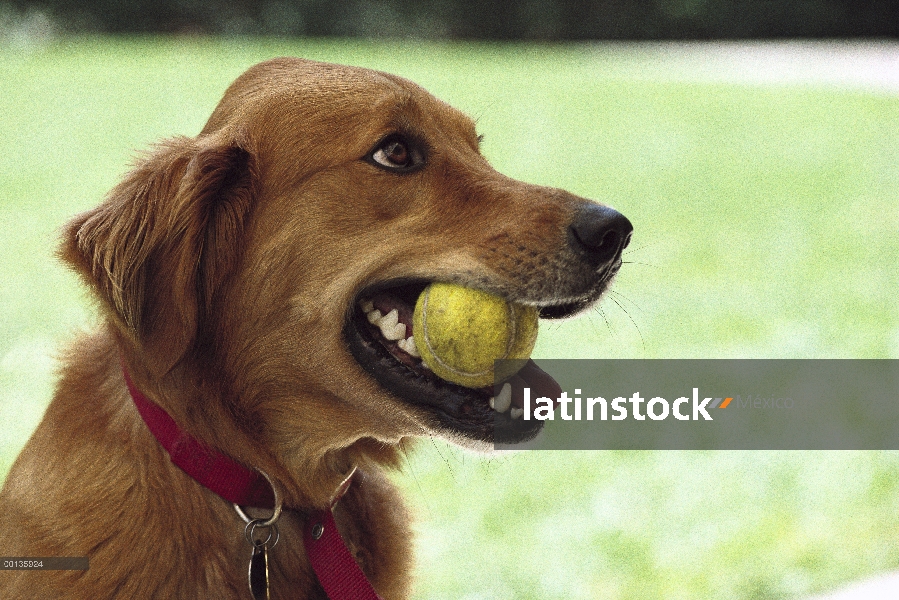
460,331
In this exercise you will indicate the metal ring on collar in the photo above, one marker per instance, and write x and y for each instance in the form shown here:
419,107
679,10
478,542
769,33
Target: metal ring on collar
276,513
250,530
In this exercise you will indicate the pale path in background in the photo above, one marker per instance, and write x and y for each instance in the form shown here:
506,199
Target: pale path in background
870,66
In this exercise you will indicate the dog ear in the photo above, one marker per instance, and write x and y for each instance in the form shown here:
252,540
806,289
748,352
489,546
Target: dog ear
161,245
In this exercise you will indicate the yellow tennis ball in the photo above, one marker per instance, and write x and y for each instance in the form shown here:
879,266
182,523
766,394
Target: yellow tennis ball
460,331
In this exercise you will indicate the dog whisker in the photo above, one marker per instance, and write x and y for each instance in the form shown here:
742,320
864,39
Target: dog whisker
442,457
598,309
623,297
632,249
404,452
645,264
637,327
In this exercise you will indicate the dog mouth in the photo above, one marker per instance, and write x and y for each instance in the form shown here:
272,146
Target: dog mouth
380,336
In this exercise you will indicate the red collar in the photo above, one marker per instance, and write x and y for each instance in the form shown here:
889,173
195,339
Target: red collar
337,571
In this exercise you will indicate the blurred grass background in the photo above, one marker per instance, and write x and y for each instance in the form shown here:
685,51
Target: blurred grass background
766,224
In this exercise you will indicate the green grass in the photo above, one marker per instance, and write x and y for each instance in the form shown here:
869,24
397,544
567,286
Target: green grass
766,226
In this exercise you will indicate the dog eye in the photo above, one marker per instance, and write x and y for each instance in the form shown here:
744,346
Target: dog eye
392,154
396,154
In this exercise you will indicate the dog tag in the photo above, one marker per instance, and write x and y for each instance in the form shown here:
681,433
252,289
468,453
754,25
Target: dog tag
259,571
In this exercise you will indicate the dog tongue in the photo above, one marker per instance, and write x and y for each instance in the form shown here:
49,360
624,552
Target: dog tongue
541,384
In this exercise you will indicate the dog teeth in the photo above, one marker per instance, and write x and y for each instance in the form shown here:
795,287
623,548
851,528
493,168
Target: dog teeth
516,413
390,326
390,319
408,346
502,401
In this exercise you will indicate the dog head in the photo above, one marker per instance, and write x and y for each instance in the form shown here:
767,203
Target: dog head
235,265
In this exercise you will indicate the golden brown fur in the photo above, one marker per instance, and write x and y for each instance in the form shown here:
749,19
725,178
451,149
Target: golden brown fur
226,265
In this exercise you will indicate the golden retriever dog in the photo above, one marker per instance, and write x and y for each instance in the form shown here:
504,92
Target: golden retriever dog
237,273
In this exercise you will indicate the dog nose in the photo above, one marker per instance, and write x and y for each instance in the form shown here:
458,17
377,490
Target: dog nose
600,232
